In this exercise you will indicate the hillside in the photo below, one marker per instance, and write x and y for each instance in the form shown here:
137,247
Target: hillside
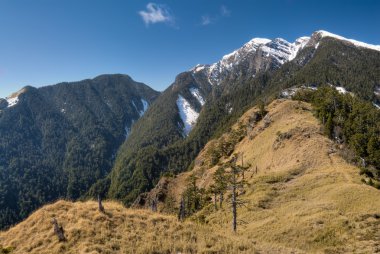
120,230
304,195
56,141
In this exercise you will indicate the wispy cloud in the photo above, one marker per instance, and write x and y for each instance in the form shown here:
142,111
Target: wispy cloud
156,13
223,13
206,20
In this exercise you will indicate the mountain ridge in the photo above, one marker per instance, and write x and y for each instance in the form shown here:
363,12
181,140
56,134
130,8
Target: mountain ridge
58,140
257,76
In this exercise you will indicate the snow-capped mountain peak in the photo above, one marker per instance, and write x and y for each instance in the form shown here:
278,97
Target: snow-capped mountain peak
322,34
233,58
12,100
279,50
272,54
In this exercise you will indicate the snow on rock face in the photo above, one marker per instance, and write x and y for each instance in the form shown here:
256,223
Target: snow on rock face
299,44
12,101
188,115
291,91
215,71
198,68
197,95
279,49
377,91
355,42
145,107
341,89
128,129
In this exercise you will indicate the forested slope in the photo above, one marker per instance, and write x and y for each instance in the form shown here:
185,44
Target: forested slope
58,140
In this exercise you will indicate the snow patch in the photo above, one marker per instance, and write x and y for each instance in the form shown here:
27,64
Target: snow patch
144,109
12,101
376,105
299,44
145,106
355,42
198,68
377,91
128,129
188,115
195,92
341,89
290,92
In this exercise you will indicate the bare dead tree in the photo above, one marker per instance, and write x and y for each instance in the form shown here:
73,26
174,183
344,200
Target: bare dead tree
181,214
101,207
242,162
58,230
153,204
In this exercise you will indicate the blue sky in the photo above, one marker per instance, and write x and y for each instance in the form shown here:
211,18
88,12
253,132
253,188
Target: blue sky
44,42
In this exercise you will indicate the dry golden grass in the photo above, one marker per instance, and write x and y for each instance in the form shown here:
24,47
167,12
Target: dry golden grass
120,230
304,196
304,199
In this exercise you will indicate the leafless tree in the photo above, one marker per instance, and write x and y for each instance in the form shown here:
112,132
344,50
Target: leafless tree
101,207
58,230
153,204
182,212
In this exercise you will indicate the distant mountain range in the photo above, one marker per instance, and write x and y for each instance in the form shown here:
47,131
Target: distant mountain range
116,137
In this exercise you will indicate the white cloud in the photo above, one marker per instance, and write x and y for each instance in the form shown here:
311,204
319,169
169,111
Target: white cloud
224,11
206,20
156,13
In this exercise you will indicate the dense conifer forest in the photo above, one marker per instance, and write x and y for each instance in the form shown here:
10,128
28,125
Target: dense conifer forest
59,140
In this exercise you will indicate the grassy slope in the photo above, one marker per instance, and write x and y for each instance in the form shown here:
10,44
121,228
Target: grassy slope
305,198
120,230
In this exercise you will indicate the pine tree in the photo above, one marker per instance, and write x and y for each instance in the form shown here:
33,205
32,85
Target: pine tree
214,191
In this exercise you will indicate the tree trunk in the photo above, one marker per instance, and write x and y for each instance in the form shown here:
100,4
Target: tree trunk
181,214
234,212
215,205
101,207
58,230
221,200
154,205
